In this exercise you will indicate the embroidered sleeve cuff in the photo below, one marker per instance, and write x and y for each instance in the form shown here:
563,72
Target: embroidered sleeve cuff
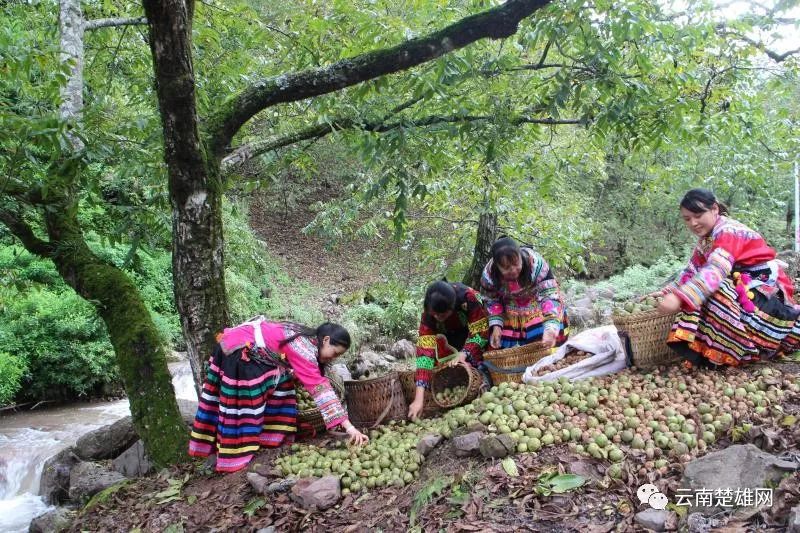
495,321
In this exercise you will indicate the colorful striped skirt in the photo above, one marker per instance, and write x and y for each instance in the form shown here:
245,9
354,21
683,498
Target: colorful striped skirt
722,333
246,403
522,327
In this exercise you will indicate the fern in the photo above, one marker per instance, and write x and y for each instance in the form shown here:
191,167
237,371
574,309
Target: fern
432,488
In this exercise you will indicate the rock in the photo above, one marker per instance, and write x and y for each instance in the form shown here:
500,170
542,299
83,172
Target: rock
133,462
403,349
281,486
496,446
258,482
188,409
792,261
742,466
582,313
655,519
468,444
697,523
475,425
106,442
370,364
55,521
269,529
793,526
428,442
317,493
54,482
87,479
606,294
342,371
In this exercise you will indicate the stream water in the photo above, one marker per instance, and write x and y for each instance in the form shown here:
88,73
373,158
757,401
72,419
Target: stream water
29,438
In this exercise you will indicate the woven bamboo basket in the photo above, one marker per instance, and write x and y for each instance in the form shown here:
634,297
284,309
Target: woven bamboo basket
311,418
454,376
409,383
648,333
374,401
510,364
310,421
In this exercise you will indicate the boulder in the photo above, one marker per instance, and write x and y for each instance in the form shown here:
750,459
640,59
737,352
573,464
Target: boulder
403,349
371,364
133,462
87,479
188,409
54,481
341,370
428,442
496,446
108,441
317,493
656,519
742,466
258,482
793,526
55,521
468,444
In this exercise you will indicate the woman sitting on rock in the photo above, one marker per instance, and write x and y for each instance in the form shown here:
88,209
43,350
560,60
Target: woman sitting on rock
522,298
734,298
248,399
453,330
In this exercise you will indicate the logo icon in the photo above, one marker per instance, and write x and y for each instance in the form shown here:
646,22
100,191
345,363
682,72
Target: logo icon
649,494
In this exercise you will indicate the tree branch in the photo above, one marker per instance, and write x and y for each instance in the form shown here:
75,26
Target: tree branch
496,23
245,153
775,56
24,233
112,22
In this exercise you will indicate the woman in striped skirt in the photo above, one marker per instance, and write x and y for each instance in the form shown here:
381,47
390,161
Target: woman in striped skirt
734,298
248,399
522,298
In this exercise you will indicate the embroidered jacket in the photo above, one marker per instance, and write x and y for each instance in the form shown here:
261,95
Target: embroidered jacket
301,354
730,246
466,329
510,298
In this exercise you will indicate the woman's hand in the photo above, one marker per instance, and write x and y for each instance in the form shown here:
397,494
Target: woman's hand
415,408
549,337
670,304
356,437
461,358
495,336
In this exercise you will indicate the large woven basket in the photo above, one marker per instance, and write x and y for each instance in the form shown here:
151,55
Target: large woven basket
510,364
648,333
409,383
454,376
375,401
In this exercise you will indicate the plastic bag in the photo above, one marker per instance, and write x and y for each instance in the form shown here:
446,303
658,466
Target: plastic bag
603,342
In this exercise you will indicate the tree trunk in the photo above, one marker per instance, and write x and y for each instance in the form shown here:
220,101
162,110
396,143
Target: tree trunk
138,347
198,267
486,235
137,344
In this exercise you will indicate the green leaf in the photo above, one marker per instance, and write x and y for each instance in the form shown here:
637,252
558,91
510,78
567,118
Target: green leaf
510,467
565,482
254,505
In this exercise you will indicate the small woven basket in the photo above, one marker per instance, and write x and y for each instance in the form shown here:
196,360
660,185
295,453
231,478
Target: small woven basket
454,376
510,364
648,333
409,383
311,418
374,401
310,421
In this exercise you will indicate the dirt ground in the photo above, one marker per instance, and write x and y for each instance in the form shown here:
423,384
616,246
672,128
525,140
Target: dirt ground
452,494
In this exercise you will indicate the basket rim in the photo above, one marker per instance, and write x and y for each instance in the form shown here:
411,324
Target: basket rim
498,355
472,378
646,316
